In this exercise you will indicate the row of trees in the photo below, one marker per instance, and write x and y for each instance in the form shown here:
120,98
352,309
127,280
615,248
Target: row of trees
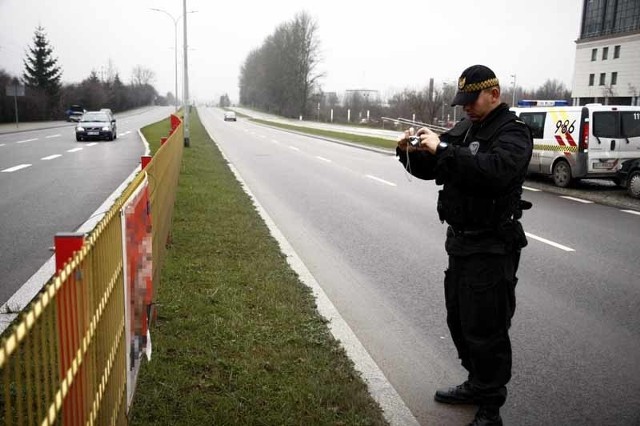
46,98
280,76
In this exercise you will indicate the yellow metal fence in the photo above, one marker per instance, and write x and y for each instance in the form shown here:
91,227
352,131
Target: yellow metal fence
64,358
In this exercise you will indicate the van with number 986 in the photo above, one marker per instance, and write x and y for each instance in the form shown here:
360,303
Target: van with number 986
581,142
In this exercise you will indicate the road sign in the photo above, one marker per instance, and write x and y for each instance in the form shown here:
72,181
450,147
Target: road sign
15,90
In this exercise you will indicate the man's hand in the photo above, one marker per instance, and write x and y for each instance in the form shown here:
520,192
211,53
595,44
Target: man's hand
428,140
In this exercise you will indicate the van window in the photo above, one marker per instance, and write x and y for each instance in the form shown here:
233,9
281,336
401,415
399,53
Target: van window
535,121
630,124
605,124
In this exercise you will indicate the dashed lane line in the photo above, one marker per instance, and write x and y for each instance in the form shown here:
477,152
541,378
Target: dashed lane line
531,189
74,150
16,168
579,200
294,148
27,140
631,212
549,242
51,157
53,136
326,160
92,144
386,182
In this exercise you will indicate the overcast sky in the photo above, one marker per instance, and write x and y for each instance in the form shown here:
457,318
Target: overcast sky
385,46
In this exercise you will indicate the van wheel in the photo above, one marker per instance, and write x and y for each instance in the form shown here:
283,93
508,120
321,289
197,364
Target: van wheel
634,184
562,174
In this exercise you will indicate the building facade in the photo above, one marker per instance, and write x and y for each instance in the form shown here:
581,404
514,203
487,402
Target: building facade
607,64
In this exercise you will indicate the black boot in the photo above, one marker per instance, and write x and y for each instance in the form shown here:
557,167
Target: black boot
461,394
487,416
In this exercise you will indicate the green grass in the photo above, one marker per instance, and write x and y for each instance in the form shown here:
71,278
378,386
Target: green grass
238,340
365,140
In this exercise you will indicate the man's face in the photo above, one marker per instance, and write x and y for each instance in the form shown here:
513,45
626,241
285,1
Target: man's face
483,105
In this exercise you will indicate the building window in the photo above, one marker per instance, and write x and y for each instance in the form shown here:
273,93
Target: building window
594,54
592,78
605,53
614,78
602,78
616,52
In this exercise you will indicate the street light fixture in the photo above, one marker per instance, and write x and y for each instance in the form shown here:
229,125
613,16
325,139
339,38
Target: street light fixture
175,48
175,51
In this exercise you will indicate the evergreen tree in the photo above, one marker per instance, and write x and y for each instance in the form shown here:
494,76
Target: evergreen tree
41,69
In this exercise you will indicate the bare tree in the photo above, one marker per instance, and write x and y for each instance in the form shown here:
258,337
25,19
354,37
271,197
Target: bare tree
141,76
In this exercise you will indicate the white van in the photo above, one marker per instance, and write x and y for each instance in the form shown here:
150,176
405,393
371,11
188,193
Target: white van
589,141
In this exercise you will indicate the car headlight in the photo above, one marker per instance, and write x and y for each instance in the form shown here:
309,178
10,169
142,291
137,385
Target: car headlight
105,129
79,129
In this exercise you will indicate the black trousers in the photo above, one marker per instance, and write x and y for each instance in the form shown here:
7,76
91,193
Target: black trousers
480,299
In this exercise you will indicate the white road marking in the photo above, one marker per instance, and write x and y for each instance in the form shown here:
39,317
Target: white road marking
92,144
294,148
27,140
52,136
579,200
1,144
386,182
127,132
326,160
275,141
74,150
531,189
16,168
51,157
121,134
632,212
551,243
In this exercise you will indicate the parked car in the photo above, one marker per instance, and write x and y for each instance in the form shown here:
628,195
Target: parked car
96,125
74,112
629,177
229,116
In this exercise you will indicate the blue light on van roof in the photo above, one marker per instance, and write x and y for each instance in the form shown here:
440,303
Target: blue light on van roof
542,103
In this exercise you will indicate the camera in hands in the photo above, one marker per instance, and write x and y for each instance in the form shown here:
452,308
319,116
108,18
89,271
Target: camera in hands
414,141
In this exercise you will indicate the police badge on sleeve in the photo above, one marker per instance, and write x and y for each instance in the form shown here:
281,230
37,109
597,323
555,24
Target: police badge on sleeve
473,147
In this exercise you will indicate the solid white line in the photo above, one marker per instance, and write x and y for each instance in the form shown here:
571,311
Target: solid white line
551,243
51,157
631,211
92,144
16,168
323,159
394,409
294,148
52,136
27,140
580,200
386,182
74,150
531,189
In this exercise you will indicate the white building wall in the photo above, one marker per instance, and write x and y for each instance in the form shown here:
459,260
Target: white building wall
627,66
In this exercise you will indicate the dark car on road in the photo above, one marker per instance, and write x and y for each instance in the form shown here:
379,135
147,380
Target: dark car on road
629,177
75,112
96,125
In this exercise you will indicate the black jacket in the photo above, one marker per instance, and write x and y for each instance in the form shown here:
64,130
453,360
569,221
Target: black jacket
482,171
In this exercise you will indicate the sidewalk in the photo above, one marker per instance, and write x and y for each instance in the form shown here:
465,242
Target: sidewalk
6,128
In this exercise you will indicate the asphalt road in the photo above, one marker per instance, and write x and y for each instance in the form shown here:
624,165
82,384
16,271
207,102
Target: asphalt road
50,183
369,234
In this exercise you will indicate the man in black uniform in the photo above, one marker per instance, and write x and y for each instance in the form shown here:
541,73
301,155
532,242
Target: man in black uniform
482,163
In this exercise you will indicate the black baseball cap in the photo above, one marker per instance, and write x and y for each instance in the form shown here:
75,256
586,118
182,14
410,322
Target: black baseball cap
473,80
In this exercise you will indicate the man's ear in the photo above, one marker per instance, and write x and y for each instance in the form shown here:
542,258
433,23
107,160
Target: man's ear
495,93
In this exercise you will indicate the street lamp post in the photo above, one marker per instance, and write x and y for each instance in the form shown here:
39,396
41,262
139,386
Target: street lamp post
513,99
186,77
175,51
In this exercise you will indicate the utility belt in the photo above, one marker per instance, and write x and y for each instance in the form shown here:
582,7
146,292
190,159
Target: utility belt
478,215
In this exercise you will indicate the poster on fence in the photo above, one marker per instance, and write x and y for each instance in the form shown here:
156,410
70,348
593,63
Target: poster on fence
138,291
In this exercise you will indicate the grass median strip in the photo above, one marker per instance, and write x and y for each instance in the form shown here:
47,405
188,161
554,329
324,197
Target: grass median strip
238,340
348,137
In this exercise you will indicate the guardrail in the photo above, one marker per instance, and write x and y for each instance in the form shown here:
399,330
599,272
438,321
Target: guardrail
73,354
416,124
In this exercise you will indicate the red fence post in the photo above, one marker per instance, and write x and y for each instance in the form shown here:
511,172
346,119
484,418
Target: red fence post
144,160
68,321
